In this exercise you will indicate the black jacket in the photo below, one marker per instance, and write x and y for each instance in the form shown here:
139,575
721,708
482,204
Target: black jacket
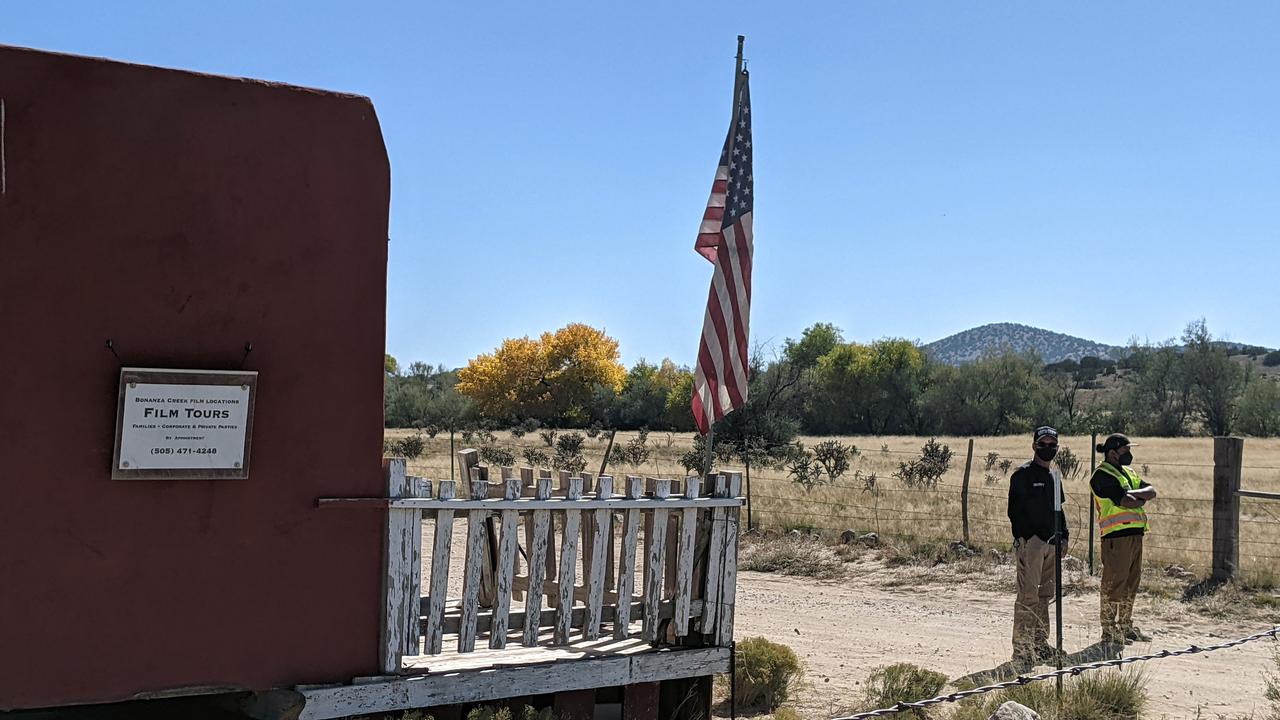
1031,503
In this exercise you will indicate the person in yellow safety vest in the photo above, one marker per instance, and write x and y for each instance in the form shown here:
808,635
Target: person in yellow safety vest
1119,495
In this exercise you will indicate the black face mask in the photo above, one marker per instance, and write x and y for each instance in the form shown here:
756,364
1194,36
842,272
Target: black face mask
1046,453
1126,458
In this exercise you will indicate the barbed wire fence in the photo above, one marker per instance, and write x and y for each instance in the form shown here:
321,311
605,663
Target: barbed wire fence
1064,672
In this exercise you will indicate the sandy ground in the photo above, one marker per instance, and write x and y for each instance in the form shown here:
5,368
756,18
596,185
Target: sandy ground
842,629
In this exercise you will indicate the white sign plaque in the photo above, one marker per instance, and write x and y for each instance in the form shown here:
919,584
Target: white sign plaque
184,424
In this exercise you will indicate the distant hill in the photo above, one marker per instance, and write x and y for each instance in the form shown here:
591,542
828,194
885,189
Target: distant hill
1051,346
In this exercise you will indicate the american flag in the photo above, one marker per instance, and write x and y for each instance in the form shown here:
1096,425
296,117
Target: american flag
720,381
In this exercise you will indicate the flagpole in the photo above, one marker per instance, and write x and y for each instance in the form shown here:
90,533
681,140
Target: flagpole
737,77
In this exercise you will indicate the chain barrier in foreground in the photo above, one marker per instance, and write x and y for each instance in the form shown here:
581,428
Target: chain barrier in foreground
1073,671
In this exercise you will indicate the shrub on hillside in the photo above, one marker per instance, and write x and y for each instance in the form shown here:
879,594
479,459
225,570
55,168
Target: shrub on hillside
1271,359
768,673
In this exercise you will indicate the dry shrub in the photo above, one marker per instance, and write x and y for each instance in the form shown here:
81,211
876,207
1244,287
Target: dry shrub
902,682
768,673
1103,695
787,713
791,556
1272,682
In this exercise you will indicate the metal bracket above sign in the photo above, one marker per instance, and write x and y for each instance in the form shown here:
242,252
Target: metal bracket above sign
184,424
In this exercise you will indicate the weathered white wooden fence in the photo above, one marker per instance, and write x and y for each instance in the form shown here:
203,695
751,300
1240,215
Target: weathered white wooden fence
571,547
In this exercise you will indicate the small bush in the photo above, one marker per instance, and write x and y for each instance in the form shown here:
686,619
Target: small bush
768,673
497,455
548,436
1106,695
786,713
804,470
834,456
1005,465
409,446
1271,359
928,469
569,453
902,682
1068,464
990,460
536,458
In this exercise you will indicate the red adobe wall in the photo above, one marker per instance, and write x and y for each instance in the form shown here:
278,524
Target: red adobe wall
182,216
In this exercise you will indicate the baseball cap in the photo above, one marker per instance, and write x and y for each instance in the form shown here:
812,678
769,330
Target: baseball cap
1114,442
1045,431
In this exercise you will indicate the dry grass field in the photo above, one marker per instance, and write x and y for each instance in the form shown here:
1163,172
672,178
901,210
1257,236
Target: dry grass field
1181,469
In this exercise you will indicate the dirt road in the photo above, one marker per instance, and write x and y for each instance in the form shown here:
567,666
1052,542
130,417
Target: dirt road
842,629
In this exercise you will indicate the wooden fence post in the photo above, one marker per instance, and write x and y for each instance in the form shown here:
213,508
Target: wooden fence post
964,492
1228,456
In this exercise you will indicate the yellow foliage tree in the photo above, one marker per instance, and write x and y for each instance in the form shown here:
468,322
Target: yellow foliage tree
550,378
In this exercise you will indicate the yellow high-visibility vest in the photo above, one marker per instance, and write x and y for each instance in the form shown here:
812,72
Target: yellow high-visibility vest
1113,517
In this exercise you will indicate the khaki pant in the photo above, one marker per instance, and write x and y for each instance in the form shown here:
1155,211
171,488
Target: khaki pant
1121,573
1035,590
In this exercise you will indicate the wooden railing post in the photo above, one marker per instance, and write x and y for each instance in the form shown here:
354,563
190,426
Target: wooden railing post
399,591
1228,456
440,550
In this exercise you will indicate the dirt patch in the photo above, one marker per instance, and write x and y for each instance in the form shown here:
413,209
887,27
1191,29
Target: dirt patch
842,629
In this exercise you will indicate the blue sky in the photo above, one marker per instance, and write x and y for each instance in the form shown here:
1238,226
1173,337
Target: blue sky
1107,170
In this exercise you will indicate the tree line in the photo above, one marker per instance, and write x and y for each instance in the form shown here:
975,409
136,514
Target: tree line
820,384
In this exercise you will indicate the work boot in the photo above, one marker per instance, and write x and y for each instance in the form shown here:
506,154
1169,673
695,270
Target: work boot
1133,635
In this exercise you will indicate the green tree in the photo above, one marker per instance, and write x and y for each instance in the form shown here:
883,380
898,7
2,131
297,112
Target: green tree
872,388
1260,408
1215,380
679,405
643,400
816,340
999,394
1157,400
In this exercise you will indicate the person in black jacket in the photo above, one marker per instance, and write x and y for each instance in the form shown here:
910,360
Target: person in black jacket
1035,533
